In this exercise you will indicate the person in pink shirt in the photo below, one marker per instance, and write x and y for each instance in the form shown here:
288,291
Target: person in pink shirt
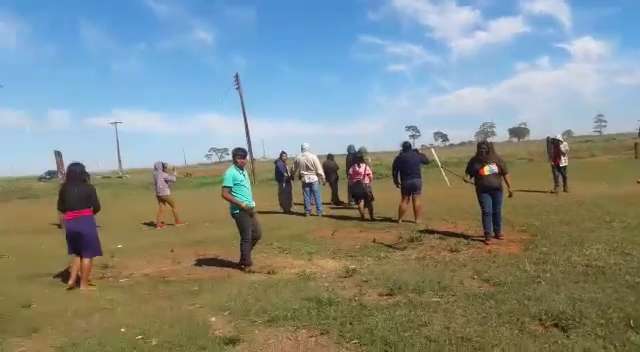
360,179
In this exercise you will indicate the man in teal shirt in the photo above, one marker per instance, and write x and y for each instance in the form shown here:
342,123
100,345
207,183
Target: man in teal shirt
236,189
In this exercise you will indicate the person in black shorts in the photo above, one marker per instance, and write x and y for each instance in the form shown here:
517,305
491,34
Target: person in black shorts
407,175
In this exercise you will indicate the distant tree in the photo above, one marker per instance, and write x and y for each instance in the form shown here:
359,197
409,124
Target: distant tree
440,137
486,131
220,153
599,124
208,156
414,133
568,134
519,132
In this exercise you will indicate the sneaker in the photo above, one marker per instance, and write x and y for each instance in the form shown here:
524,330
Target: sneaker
487,241
499,237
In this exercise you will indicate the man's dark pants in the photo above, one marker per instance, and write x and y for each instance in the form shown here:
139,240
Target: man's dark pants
335,196
250,234
559,172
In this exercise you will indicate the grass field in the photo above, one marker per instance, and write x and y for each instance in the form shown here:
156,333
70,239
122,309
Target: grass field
567,277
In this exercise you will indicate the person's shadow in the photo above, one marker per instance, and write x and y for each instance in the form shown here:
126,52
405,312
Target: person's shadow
217,263
451,234
63,275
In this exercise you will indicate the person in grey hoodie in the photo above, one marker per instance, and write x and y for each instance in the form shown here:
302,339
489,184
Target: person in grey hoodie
162,183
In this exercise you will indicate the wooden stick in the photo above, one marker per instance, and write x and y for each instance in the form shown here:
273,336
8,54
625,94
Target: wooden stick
444,175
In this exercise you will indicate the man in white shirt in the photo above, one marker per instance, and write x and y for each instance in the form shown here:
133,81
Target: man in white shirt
559,159
308,169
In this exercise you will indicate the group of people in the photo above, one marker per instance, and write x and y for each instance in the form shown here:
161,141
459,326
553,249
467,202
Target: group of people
78,201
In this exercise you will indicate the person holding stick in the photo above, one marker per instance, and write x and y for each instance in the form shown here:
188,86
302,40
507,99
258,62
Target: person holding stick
407,176
78,202
236,189
360,179
162,181
330,168
488,171
284,180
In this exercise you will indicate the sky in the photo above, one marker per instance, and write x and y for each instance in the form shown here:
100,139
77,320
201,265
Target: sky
329,73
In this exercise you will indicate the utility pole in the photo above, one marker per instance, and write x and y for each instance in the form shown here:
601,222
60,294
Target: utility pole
185,157
115,125
264,151
238,86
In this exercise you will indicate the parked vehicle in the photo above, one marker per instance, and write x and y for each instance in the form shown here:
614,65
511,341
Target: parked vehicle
48,176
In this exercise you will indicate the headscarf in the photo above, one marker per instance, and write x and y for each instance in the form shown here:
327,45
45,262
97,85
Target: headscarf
305,147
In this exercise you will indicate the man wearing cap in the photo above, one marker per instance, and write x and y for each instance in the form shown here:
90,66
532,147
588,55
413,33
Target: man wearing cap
559,159
308,169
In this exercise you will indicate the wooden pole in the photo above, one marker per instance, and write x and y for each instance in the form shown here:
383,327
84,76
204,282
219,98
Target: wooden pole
246,128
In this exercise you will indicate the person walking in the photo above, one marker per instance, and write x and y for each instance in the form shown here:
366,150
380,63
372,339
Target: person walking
559,159
407,175
351,153
236,190
309,170
330,168
360,180
284,180
78,202
162,181
488,171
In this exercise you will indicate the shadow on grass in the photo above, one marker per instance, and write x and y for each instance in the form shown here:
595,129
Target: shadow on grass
531,191
152,224
274,212
216,263
452,234
56,224
63,275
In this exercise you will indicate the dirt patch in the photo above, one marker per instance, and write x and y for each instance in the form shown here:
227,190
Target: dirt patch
290,340
353,237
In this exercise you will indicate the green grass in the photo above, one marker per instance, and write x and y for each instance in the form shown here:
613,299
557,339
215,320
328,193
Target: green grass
571,285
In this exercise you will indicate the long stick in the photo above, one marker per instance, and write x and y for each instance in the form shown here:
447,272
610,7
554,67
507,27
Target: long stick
444,175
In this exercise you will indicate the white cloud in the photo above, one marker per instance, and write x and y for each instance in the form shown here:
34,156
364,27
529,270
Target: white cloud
10,118
150,122
629,78
12,31
587,49
58,119
403,56
540,93
187,29
461,27
499,30
558,9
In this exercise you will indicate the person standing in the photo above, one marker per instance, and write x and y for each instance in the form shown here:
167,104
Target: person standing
284,180
488,171
407,175
330,168
360,179
559,158
236,190
162,183
308,168
351,153
78,202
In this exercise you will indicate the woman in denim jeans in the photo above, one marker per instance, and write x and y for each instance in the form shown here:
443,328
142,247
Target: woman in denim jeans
488,171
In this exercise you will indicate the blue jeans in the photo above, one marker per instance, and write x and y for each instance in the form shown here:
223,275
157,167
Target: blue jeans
312,190
491,206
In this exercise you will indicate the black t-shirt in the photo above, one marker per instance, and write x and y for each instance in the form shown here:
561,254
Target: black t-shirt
487,174
78,197
330,168
407,166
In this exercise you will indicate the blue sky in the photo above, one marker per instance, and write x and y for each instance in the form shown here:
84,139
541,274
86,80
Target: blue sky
329,73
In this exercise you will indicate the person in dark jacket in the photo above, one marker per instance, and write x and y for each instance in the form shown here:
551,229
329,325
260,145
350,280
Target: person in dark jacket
331,168
407,175
350,160
284,180
78,202
488,171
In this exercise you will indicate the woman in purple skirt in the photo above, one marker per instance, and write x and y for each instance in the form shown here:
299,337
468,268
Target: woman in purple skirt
78,202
